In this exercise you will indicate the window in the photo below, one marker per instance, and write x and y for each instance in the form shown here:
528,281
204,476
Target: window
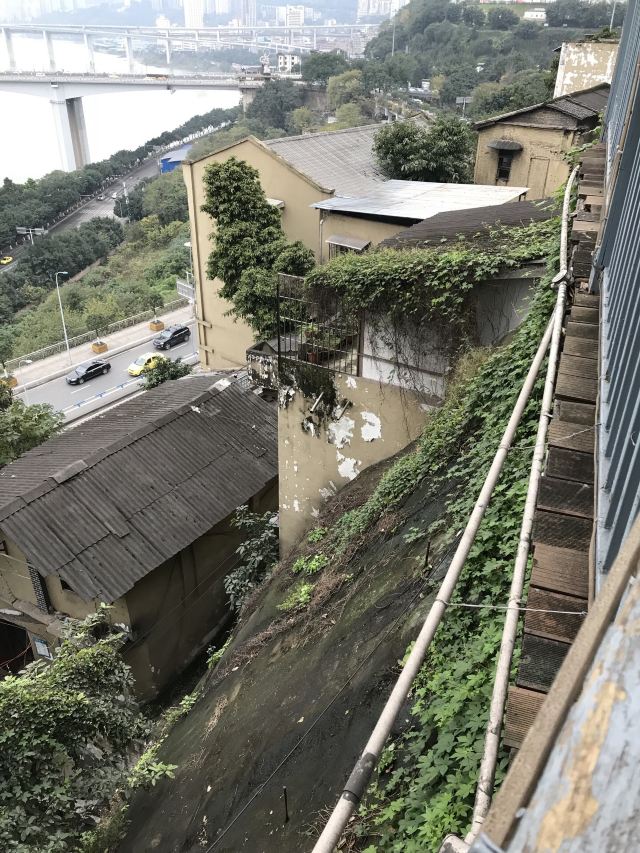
65,585
505,158
339,245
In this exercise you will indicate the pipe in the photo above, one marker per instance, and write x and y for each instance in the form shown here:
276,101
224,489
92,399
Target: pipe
359,779
486,778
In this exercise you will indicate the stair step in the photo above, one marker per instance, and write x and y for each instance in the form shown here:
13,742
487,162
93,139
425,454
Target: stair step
587,300
562,531
584,315
540,661
572,436
522,708
570,465
575,413
563,570
563,625
577,388
582,347
575,365
565,496
582,330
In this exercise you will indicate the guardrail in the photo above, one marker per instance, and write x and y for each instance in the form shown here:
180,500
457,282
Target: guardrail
53,349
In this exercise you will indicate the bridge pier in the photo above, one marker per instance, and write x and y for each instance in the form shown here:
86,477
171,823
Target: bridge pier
89,47
128,49
71,131
167,48
48,44
7,37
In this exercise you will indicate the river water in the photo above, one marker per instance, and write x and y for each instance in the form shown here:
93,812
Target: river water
28,145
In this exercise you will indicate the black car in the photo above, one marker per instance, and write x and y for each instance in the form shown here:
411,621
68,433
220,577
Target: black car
171,336
84,372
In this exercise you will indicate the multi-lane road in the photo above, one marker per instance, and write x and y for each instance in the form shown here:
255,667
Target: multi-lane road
62,396
95,207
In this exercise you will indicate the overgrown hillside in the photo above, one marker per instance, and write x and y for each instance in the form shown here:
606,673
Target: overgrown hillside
294,697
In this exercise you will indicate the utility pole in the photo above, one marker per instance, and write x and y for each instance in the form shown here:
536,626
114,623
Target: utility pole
64,325
393,38
613,12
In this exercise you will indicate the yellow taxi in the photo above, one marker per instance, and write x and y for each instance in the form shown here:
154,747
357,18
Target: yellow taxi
146,361
7,259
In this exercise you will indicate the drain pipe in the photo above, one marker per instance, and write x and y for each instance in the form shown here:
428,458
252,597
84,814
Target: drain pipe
358,781
486,780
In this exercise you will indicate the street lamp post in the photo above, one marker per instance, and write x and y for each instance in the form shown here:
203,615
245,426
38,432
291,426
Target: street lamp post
21,362
64,325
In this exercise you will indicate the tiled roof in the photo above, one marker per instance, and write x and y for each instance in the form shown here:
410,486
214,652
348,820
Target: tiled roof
580,106
340,160
105,503
468,223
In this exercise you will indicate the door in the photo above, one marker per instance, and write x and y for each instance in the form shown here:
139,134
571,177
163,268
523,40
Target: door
537,177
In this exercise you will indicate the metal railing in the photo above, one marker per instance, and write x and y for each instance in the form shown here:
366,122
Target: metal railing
91,335
618,261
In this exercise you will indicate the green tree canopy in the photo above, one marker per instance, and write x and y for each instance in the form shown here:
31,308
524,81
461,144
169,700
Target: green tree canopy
502,19
274,102
318,67
23,427
345,88
441,153
525,89
166,197
165,371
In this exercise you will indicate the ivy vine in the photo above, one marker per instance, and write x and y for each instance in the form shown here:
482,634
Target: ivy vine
427,776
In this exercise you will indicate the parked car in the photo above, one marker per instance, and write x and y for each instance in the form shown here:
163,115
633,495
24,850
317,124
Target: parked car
146,361
5,260
84,372
171,336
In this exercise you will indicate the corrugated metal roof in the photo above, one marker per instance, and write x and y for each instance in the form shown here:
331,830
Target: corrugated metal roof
157,473
471,222
340,160
417,200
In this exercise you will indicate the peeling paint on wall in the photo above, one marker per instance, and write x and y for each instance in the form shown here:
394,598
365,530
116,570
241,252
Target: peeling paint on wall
341,432
372,427
347,468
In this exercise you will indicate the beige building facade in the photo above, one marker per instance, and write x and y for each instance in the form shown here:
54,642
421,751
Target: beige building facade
585,64
530,146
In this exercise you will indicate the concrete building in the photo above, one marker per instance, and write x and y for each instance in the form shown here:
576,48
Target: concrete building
294,16
173,159
288,63
194,14
248,13
585,64
528,147
133,509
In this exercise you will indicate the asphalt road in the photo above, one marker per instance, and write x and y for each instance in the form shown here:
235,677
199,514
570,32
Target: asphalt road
94,207
61,395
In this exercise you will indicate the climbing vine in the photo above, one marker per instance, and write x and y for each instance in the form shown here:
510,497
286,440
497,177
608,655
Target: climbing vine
427,776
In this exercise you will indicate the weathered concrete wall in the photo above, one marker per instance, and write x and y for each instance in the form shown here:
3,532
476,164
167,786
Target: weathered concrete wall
539,165
585,64
314,463
354,226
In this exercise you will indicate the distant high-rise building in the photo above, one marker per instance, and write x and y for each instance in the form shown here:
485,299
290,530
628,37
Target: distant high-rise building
194,14
295,16
248,13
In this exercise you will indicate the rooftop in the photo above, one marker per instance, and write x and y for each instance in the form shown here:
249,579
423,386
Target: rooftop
417,200
338,160
193,450
578,106
178,154
471,223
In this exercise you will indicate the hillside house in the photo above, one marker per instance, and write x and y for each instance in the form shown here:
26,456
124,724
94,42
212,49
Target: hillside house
133,509
331,197
529,146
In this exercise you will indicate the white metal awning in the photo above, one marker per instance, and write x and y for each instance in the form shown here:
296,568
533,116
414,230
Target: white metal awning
354,243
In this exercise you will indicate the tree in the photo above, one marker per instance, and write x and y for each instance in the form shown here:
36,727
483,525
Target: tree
318,67
345,88
166,197
442,153
7,337
502,19
302,120
273,103
23,427
349,115
525,89
459,84
165,371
